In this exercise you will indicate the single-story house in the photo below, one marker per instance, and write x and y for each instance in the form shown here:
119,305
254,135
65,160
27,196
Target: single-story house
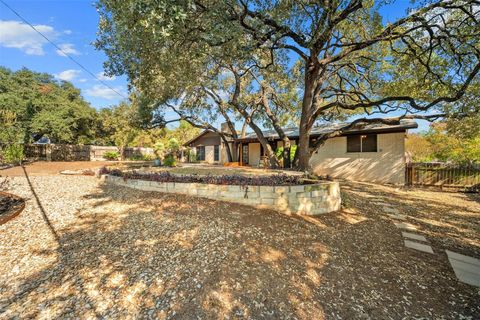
374,153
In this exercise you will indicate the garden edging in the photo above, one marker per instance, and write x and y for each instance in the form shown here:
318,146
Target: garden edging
7,217
308,199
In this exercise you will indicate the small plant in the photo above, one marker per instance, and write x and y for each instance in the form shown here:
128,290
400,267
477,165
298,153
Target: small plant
159,150
170,161
111,155
141,157
165,176
13,154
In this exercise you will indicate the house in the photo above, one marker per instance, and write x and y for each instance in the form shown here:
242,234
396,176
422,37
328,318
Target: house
374,153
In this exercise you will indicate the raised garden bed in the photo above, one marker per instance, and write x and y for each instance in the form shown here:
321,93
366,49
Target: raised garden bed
238,180
10,206
290,194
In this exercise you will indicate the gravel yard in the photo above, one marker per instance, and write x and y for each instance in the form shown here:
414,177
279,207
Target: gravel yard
84,250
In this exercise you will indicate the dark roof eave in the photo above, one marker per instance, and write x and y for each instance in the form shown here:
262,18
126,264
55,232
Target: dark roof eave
400,128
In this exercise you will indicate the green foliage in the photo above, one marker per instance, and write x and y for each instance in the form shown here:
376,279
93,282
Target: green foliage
111,155
279,152
141,157
170,161
159,150
12,154
46,107
453,140
11,149
173,145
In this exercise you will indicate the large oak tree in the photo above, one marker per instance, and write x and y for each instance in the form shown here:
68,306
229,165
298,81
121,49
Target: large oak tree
419,65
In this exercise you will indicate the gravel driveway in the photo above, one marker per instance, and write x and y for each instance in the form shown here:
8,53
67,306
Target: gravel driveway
85,250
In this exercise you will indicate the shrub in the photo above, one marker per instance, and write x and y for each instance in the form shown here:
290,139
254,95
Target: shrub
170,161
111,155
141,157
13,154
165,176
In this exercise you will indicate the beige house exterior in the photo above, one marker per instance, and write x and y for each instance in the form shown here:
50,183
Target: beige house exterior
374,153
387,165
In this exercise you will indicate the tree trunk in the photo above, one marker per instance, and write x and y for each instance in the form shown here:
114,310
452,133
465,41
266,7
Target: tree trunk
266,146
227,146
276,125
311,78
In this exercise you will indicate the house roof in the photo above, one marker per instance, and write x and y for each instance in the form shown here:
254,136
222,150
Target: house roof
293,132
331,127
205,131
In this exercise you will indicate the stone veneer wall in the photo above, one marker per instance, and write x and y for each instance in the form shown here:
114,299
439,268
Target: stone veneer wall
309,199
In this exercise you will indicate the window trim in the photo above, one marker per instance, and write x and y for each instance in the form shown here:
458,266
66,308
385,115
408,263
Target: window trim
361,142
198,153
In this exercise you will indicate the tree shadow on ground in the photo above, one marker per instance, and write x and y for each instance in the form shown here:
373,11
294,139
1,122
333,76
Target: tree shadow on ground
449,219
151,255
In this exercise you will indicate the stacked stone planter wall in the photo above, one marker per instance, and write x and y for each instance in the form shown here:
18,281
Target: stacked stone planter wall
309,199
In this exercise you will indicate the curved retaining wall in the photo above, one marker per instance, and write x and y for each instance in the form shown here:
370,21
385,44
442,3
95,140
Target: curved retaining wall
309,199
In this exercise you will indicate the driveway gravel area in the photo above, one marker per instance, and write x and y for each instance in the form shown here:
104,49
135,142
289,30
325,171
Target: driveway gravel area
85,250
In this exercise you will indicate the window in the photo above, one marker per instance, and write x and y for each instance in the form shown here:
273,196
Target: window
362,143
245,153
216,153
201,153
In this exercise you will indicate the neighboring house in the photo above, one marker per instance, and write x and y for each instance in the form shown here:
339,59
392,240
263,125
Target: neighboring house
375,153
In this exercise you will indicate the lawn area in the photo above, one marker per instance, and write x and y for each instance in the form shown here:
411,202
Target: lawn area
82,249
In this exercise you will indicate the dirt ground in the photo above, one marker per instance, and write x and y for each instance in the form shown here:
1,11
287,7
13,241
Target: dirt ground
87,250
44,168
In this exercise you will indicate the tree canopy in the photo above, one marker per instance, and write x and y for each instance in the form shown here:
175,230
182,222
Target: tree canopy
43,106
350,61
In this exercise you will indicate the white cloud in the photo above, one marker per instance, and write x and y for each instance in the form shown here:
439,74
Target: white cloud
67,75
103,77
15,34
67,48
104,92
67,31
82,80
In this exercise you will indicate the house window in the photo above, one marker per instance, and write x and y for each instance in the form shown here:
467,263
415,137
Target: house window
201,153
216,153
362,143
245,153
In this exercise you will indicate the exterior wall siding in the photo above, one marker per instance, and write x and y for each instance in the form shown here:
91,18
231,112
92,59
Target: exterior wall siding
254,154
387,165
209,152
208,139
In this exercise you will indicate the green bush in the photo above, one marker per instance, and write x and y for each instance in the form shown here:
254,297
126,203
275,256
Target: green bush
279,152
141,157
13,154
170,161
111,155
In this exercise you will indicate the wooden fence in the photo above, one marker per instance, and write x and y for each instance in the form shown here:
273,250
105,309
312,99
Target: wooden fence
444,176
65,152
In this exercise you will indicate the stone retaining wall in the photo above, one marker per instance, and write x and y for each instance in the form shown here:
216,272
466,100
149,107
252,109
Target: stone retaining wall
309,199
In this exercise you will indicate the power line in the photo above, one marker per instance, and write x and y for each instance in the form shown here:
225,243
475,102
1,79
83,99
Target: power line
61,50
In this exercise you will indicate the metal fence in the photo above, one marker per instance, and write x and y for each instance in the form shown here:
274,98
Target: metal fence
443,176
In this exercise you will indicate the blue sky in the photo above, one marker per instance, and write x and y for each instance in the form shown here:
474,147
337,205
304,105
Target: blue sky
72,25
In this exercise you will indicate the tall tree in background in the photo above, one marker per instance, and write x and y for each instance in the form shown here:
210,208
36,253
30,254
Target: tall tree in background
45,107
351,60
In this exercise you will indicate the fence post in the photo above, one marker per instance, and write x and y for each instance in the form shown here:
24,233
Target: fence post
48,152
